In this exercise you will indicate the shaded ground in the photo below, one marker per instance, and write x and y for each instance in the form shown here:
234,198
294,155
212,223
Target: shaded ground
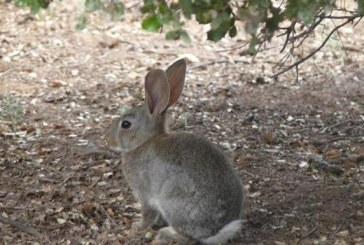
298,146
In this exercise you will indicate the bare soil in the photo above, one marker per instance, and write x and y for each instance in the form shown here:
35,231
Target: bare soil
298,144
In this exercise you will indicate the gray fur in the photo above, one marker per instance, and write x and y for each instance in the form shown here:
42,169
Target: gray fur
181,179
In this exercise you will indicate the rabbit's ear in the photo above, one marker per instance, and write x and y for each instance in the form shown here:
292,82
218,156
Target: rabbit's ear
176,79
156,91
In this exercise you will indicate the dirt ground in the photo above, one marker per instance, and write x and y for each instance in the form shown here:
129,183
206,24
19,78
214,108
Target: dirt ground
298,145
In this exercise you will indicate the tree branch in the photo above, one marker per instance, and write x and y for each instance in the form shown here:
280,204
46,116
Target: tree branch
317,49
288,33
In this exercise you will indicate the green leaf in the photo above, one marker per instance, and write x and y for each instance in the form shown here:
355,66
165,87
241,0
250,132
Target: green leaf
185,37
186,6
220,26
219,21
21,3
35,8
35,5
306,15
361,6
81,22
173,35
116,10
166,15
151,23
146,9
216,35
93,5
163,9
178,34
272,23
44,3
203,18
252,50
233,31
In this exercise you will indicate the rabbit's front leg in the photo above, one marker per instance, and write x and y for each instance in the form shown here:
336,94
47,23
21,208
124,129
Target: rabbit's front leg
150,217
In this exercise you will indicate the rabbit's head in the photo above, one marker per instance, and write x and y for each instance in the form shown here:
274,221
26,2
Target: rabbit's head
138,125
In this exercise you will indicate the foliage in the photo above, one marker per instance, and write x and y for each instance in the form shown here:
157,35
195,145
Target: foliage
160,14
11,110
258,15
263,19
114,8
35,5
360,6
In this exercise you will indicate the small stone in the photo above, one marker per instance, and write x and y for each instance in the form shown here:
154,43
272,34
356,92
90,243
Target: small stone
61,221
148,235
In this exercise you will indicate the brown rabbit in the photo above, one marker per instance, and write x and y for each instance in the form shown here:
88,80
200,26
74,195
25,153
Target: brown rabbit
180,179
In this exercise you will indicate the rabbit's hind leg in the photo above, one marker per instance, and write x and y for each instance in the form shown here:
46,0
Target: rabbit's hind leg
168,234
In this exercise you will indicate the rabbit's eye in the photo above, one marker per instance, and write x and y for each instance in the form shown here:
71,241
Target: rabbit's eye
125,124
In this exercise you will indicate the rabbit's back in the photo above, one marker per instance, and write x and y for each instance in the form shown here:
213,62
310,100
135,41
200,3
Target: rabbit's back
196,157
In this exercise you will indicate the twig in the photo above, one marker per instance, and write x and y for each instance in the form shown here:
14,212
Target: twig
338,17
108,216
248,173
321,18
296,68
235,48
341,40
361,17
76,64
11,207
21,226
5,71
65,180
261,43
49,168
283,60
337,229
353,49
288,33
217,62
345,10
134,5
307,235
315,51
309,30
95,182
336,125
307,33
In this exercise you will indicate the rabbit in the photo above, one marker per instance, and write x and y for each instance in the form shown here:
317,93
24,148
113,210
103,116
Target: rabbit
181,180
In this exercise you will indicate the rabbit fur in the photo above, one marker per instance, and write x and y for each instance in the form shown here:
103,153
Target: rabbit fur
181,180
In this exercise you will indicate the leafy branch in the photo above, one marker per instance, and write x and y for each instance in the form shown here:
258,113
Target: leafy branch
297,63
296,20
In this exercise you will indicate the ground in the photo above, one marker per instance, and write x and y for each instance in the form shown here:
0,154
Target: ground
298,144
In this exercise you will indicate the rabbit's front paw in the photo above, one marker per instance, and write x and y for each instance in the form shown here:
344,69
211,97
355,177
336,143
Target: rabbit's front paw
150,217
168,234
140,225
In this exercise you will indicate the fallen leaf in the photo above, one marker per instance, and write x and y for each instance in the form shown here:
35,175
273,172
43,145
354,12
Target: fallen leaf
333,153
